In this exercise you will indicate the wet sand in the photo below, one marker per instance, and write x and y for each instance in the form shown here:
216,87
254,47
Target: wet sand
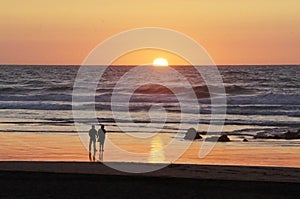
68,147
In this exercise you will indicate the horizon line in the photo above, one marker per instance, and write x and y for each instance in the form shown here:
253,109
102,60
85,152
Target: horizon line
122,65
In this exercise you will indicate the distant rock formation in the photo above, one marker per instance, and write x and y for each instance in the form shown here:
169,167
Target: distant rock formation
291,135
222,138
192,134
212,139
287,135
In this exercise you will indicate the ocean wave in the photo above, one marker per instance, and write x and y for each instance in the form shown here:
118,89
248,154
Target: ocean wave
235,89
37,97
269,98
153,89
201,91
36,106
178,121
17,90
59,88
35,82
290,111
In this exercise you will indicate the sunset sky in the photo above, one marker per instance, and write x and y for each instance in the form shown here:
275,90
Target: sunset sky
232,31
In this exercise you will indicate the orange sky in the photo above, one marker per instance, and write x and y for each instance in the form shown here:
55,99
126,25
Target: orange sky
232,31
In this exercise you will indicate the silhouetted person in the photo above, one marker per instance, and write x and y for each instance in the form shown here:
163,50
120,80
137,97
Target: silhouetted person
93,135
101,137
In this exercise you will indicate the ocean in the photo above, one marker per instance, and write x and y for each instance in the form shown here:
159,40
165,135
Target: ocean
39,98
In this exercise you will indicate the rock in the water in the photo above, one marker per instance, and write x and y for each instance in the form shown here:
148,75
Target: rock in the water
203,132
192,134
245,140
212,139
288,135
223,138
291,135
265,135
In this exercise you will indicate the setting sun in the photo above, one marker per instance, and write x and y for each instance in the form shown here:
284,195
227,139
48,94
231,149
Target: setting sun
160,62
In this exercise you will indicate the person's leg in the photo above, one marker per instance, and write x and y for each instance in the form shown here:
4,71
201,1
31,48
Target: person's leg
103,144
90,156
90,144
94,144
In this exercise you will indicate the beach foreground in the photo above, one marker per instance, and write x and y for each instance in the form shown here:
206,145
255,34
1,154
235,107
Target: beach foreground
70,179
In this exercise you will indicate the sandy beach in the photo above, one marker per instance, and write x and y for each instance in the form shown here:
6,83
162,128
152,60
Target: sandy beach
211,172
54,165
69,179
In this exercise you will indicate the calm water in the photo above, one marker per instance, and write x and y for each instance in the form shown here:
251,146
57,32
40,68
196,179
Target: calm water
39,98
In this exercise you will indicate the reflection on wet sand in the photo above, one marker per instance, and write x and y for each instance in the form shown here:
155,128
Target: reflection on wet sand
157,150
92,158
101,155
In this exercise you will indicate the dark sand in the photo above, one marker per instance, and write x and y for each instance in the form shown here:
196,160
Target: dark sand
78,180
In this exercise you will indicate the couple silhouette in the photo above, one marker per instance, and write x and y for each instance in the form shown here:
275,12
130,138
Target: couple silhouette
100,137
